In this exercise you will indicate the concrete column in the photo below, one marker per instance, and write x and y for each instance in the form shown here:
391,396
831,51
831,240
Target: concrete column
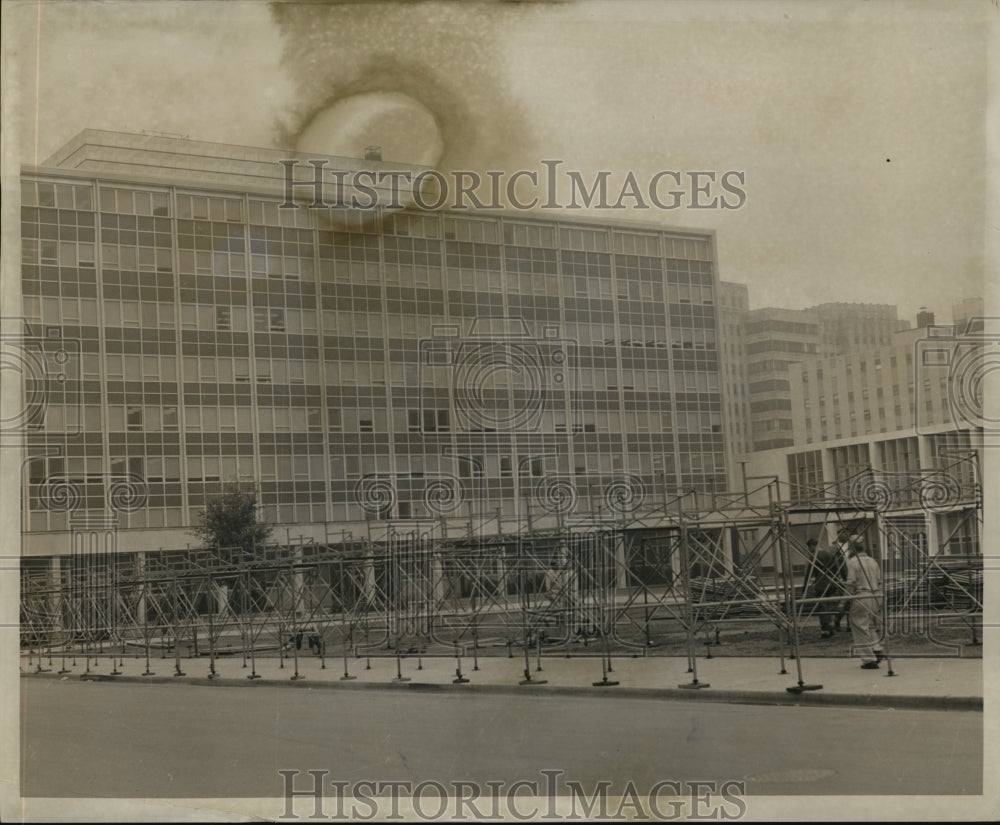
94,542
727,550
58,592
220,593
369,579
874,455
930,521
881,549
826,462
618,577
298,584
437,579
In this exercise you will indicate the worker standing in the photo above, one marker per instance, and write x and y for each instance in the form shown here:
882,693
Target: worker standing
864,583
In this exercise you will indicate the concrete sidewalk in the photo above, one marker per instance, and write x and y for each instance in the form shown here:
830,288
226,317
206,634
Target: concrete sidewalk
943,682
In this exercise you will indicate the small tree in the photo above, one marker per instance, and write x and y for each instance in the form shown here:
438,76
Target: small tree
231,524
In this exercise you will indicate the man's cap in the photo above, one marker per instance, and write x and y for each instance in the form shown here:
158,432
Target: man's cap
812,542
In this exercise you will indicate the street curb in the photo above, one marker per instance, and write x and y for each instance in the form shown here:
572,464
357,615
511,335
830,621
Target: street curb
748,697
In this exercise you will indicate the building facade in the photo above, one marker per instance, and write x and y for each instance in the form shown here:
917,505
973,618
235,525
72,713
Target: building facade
880,390
924,490
883,430
852,327
352,365
733,308
775,340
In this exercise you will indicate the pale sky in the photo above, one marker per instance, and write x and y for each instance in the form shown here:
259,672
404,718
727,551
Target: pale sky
859,127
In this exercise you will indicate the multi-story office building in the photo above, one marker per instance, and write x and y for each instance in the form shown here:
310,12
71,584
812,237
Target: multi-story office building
777,339
850,327
884,430
353,365
874,391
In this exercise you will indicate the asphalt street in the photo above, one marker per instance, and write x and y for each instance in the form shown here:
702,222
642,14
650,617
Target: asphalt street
105,740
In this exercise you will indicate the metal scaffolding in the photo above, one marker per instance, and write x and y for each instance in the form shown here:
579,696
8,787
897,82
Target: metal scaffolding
650,581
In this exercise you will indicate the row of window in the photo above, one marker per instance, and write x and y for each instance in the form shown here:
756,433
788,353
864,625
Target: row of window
231,209
210,414
129,287
165,475
290,261
862,367
213,223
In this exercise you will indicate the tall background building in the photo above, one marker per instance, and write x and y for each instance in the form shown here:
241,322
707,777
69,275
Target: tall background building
884,430
776,339
842,408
